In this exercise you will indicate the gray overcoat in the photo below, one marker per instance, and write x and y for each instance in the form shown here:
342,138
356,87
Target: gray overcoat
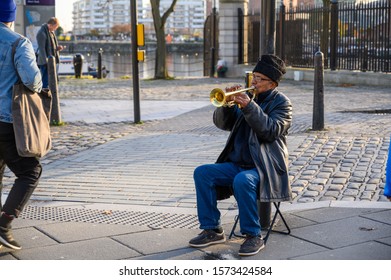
47,46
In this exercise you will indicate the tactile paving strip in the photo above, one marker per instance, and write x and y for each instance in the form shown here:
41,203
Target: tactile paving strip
150,219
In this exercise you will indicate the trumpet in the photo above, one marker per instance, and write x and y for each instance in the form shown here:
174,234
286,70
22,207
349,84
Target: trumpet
219,98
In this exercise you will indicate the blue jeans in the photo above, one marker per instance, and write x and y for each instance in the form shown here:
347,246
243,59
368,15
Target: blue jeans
245,183
45,74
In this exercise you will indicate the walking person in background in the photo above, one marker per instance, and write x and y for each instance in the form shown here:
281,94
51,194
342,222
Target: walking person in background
254,162
387,186
48,46
26,169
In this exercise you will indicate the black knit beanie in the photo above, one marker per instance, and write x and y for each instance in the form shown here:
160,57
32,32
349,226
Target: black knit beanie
271,66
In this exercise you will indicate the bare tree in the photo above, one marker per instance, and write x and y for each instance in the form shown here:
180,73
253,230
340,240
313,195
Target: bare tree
159,24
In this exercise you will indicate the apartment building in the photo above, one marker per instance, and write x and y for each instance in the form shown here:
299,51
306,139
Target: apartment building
101,15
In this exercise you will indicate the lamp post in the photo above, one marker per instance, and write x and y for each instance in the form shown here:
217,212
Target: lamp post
282,30
267,46
268,27
135,73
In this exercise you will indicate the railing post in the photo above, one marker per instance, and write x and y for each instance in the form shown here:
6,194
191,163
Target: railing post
282,31
318,106
333,34
55,116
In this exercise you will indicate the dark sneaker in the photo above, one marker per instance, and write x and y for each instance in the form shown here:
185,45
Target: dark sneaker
8,240
207,237
251,246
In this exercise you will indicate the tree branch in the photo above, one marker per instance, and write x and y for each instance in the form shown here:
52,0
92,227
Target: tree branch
169,11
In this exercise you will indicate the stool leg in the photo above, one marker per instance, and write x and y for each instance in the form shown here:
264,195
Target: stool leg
234,227
282,218
278,212
270,229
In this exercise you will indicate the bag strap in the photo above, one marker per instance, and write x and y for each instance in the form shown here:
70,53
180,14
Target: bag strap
14,46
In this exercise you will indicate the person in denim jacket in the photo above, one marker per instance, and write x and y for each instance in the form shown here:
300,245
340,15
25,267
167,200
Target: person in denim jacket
26,169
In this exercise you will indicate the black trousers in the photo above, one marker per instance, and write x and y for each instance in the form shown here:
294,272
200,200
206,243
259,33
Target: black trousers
26,169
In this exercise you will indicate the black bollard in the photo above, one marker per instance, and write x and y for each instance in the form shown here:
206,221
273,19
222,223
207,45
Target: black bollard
78,65
318,106
99,70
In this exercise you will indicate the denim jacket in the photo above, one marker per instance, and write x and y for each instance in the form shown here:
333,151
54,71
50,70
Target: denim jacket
24,63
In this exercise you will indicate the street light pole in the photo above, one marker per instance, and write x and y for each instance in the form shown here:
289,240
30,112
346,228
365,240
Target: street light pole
268,27
267,46
135,74
213,47
271,30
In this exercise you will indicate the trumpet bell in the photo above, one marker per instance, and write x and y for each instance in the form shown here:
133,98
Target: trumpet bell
217,97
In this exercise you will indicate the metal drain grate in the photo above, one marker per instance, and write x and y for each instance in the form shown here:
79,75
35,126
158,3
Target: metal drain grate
150,219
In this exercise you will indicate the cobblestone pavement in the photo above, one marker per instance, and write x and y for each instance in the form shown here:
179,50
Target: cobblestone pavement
346,161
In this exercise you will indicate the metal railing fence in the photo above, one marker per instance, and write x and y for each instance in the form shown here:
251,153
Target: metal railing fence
352,36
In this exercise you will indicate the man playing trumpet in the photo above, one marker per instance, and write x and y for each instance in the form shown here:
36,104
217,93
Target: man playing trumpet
254,163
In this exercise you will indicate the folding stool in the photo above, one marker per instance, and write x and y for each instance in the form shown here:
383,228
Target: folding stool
270,229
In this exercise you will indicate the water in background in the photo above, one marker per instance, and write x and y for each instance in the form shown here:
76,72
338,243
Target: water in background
178,64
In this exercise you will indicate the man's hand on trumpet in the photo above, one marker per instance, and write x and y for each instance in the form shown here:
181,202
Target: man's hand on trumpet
241,98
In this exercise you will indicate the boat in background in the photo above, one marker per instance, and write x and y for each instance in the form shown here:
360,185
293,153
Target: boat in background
66,67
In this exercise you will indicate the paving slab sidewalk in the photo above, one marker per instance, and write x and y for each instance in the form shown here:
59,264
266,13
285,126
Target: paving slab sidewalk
115,201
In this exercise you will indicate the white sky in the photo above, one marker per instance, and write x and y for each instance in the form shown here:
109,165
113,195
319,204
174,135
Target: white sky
64,13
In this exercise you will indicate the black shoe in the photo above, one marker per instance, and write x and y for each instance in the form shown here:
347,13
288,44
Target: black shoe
8,240
251,246
206,238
